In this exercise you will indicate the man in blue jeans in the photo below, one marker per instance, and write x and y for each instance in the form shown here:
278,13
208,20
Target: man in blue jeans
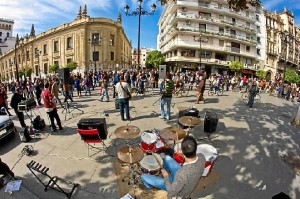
179,181
166,91
124,91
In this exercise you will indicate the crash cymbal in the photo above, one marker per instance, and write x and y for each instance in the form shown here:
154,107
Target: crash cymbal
130,154
189,121
173,133
127,132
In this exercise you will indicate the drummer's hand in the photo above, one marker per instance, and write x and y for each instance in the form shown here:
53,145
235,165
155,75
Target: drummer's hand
164,173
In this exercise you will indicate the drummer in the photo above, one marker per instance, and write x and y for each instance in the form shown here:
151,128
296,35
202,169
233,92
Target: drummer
179,181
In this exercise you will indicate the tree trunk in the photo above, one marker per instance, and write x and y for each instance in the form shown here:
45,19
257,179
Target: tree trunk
296,120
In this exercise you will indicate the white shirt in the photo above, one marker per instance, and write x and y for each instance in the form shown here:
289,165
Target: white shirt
121,93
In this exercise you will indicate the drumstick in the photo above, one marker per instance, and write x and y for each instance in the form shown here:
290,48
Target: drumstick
157,160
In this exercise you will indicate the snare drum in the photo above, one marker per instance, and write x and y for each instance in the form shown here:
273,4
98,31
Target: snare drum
210,153
149,165
149,139
178,157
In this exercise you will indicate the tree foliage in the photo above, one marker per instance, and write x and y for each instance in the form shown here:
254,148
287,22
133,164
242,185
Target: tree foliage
261,74
236,66
154,59
72,65
53,68
21,73
291,76
28,71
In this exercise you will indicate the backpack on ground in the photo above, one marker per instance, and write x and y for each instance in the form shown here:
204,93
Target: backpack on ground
25,134
38,123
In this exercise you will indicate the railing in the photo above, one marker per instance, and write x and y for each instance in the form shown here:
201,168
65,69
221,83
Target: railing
235,50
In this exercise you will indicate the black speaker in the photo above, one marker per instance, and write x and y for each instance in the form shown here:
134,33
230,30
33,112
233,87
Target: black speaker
94,123
64,73
210,122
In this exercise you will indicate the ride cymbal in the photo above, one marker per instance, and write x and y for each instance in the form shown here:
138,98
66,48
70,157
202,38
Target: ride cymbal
130,154
189,121
127,132
173,133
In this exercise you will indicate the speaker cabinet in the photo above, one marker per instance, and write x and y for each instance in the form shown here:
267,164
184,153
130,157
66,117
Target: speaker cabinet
94,123
64,73
210,122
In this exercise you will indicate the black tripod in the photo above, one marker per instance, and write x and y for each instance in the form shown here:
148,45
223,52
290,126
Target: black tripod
68,108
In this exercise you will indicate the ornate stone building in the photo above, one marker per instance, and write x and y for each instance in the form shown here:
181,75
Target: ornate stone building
7,42
92,43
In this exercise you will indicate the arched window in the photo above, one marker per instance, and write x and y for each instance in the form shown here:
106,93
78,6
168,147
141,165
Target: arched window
7,34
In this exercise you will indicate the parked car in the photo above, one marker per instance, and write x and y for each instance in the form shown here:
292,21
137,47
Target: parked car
6,126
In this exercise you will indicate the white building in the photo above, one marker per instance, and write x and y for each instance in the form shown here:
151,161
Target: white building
226,35
143,55
7,42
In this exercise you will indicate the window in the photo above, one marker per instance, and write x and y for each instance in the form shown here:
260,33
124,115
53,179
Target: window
247,48
206,54
0,34
247,24
56,49
96,38
69,43
257,17
69,60
36,51
247,36
45,49
202,27
232,33
112,56
258,29
112,40
258,52
96,56
7,34
258,40
45,68
233,21
221,30
27,55
221,17
0,40
56,63
221,43
220,6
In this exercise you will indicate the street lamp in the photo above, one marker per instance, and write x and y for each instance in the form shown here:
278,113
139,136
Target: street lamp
200,42
16,62
286,39
94,42
138,12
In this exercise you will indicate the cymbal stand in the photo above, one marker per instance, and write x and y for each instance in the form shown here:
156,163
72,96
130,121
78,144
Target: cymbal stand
67,108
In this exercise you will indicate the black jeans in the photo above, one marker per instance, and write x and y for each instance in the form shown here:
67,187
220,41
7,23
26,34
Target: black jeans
68,96
53,114
20,116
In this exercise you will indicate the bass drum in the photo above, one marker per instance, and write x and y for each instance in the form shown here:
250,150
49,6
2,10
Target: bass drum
210,153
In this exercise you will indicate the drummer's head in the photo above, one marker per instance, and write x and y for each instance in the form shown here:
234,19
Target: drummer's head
189,147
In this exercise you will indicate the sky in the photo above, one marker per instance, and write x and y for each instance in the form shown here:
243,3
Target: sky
47,14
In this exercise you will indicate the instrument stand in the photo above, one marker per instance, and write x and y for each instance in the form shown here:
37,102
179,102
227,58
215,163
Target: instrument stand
67,110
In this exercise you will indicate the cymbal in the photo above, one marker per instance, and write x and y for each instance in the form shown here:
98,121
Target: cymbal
173,133
130,154
127,132
189,121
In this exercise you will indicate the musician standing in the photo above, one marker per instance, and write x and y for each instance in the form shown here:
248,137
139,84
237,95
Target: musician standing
124,91
179,181
15,100
50,107
166,91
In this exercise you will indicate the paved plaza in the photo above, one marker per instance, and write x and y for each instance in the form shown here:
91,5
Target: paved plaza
251,144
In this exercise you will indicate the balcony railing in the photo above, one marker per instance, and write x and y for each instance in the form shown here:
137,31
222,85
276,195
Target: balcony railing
235,50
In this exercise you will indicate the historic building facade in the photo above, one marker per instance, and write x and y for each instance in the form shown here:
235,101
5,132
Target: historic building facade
93,43
143,56
226,35
7,42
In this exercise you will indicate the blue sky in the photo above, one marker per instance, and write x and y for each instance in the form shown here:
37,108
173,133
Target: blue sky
46,14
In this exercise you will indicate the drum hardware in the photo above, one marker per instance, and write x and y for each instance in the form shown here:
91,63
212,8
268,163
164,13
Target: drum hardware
159,99
67,107
127,132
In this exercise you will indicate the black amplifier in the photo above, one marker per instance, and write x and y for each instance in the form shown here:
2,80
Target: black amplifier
210,122
27,105
94,123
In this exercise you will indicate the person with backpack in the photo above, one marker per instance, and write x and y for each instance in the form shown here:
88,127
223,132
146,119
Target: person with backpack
252,93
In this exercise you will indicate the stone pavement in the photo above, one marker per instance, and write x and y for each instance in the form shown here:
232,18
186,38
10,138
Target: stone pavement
250,144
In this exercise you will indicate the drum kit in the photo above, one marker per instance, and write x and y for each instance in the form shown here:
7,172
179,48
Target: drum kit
145,156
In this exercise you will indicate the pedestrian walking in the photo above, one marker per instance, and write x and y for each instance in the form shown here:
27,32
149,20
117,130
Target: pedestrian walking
124,94
166,98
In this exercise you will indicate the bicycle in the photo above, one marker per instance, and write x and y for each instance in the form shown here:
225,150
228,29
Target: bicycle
183,91
212,92
245,97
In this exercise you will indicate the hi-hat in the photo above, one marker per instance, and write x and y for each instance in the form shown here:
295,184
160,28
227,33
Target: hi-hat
173,133
130,154
127,132
189,121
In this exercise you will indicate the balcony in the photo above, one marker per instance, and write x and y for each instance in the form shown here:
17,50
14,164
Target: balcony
235,50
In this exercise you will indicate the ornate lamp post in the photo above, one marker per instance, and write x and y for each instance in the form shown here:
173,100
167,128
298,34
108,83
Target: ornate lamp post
16,60
95,41
200,42
286,40
139,12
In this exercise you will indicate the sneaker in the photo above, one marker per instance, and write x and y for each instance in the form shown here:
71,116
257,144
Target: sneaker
162,117
61,128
